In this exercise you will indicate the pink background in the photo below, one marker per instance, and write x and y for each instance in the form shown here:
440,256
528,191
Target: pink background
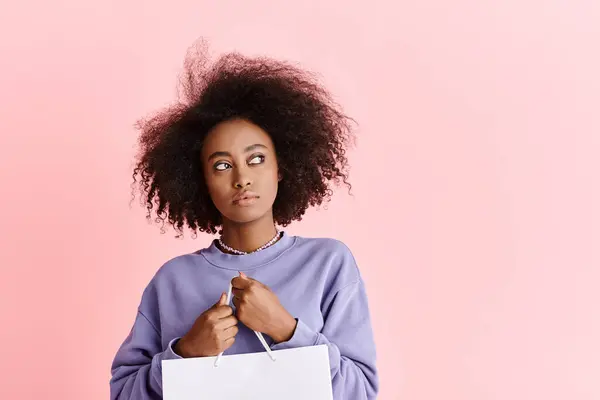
475,217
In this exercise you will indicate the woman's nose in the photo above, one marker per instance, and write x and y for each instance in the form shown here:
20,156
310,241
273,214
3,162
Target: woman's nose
242,180
240,185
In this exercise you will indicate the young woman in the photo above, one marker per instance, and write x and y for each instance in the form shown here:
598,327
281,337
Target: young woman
254,144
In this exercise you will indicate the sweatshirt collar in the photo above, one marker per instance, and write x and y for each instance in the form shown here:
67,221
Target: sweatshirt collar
215,256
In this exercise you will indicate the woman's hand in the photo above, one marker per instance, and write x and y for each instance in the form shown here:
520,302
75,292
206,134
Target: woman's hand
259,309
213,332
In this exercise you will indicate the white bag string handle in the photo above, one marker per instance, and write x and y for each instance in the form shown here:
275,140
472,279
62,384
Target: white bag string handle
258,334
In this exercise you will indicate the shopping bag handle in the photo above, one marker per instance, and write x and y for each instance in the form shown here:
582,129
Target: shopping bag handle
258,334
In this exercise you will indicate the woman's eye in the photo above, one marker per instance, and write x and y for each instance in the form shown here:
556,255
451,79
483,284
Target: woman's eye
257,159
222,166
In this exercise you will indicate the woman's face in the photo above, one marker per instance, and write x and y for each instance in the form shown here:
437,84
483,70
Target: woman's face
240,169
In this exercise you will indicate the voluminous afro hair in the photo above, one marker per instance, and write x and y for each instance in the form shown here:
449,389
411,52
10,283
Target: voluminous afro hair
309,131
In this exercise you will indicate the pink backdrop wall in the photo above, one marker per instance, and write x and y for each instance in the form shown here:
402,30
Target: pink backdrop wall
475,219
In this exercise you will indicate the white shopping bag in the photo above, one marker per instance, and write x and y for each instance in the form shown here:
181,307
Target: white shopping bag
293,374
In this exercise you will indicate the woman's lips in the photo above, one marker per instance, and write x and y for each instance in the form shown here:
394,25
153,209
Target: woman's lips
245,198
246,201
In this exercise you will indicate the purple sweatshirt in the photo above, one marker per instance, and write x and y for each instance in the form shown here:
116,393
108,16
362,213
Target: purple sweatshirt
316,280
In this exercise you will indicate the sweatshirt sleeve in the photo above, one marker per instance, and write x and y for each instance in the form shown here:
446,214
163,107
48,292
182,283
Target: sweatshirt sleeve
136,368
348,335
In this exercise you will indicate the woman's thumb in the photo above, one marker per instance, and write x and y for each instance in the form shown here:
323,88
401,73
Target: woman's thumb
222,299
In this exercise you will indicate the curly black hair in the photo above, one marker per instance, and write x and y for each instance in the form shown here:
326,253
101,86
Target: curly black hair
308,129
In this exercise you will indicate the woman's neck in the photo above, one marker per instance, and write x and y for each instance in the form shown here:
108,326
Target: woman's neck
249,236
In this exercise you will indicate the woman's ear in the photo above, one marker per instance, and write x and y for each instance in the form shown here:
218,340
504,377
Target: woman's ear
279,177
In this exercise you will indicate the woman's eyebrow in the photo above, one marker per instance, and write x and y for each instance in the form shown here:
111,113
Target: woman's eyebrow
227,154
254,146
219,154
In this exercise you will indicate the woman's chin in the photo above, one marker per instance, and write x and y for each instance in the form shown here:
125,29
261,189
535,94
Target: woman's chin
245,216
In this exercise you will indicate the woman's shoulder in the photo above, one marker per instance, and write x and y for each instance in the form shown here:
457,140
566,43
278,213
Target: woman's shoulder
176,268
333,254
328,245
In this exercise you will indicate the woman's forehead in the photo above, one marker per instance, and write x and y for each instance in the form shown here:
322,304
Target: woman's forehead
235,136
